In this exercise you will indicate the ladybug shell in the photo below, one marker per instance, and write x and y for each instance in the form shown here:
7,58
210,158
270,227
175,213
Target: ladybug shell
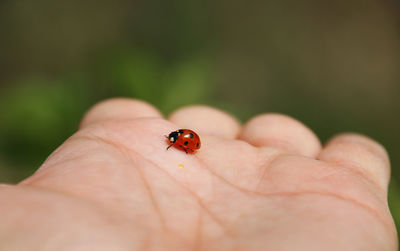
185,139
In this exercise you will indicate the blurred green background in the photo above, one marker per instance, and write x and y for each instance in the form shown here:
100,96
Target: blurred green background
333,65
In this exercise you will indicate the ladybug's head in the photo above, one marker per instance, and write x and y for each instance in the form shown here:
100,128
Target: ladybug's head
173,136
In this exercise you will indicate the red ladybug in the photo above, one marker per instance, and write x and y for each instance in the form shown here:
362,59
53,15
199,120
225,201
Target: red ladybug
184,139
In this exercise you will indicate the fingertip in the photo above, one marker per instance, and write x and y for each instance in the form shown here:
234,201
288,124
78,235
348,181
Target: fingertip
361,153
119,109
207,121
281,132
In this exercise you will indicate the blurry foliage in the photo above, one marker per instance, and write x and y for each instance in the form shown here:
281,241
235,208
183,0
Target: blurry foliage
394,201
37,114
333,65
137,73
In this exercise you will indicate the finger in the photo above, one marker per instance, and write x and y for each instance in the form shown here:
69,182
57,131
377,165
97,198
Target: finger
361,154
207,121
281,132
119,109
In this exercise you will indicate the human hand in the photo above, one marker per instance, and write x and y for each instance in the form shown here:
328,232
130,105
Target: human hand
265,186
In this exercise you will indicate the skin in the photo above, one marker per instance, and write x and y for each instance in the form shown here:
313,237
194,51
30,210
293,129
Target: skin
264,185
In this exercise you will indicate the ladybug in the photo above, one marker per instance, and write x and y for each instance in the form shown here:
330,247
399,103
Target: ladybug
185,139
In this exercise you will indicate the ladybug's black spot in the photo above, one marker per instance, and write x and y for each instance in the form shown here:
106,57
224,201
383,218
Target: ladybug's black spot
191,135
185,143
197,145
180,131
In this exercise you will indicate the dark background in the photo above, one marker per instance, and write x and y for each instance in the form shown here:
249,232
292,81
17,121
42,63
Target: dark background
334,65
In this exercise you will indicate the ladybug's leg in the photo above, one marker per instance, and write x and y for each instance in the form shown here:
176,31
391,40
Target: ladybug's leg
169,146
191,149
184,149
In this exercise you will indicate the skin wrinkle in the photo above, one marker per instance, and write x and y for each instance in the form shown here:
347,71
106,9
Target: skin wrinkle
153,199
199,201
67,195
353,167
276,143
95,203
142,176
387,223
61,192
371,150
266,165
198,239
340,165
146,245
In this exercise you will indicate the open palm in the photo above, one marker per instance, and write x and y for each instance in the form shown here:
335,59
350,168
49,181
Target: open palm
268,185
